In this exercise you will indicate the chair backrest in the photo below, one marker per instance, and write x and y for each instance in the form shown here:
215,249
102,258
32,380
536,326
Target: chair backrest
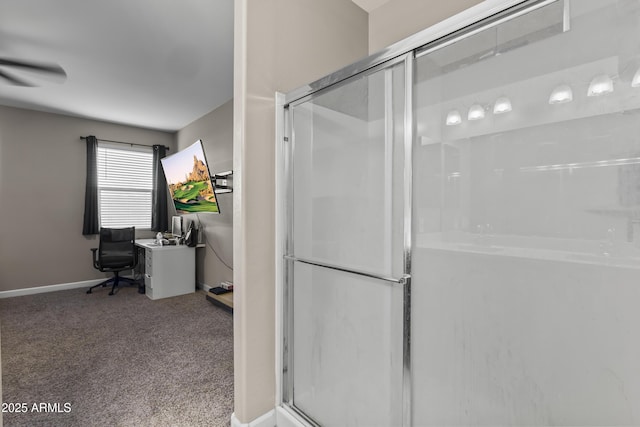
117,248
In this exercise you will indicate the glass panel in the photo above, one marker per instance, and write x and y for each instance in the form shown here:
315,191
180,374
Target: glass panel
347,348
527,223
347,161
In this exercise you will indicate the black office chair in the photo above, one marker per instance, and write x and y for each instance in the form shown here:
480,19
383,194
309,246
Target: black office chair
116,253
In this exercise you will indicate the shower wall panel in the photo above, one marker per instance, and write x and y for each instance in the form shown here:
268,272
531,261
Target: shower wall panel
526,214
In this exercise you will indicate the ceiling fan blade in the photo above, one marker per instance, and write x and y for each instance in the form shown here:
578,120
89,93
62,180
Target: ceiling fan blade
16,81
47,68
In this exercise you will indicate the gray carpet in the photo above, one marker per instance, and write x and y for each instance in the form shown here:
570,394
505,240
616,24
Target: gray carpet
121,360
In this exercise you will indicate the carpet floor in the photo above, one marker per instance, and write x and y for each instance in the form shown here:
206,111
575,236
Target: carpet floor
122,360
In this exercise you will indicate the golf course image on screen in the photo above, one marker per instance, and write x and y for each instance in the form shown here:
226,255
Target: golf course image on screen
189,181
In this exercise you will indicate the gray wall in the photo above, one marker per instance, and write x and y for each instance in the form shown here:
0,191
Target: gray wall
42,180
216,132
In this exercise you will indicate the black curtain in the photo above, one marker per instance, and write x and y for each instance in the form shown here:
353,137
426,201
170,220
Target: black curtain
159,216
91,225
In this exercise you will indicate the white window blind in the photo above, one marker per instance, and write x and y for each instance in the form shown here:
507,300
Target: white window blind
125,183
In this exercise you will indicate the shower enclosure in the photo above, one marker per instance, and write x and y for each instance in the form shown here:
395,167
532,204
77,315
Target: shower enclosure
460,225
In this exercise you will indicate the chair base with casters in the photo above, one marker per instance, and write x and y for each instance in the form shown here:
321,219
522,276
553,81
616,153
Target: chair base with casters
117,253
116,279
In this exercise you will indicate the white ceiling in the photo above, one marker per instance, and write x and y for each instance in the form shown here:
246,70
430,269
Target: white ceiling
158,64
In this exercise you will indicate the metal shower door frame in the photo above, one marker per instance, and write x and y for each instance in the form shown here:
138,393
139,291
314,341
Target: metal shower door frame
288,258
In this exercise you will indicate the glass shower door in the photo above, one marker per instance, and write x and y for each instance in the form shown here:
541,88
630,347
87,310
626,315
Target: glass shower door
345,266
526,214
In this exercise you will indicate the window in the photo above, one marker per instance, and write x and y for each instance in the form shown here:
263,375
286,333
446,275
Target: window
125,185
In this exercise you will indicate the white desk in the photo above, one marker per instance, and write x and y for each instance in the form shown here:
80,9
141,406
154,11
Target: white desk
168,270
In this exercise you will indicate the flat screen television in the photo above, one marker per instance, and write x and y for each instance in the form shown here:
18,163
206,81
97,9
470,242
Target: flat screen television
189,181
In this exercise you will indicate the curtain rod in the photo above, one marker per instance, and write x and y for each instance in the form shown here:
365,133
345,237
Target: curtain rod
121,142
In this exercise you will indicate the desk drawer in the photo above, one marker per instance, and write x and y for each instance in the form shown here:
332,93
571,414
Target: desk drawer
148,262
148,286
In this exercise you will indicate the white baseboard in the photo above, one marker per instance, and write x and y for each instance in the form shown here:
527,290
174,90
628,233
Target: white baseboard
49,288
266,420
279,417
204,286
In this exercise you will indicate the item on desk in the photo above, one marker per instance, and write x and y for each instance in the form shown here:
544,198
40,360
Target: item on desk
199,234
191,238
171,239
161,240
226,285
176,225
219,291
